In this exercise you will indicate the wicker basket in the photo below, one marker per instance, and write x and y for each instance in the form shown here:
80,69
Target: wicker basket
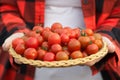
65,63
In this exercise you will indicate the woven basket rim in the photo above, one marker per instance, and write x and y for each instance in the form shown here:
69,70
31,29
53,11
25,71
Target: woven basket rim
64,63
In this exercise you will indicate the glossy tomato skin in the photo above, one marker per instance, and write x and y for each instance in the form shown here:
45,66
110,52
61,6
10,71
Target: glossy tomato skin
32,34
76,54
72,34
54,39
20,48
74,45
77,31
56,26
45,46
84,40
41,54
89,32
40,40
61,55
97,36
17,41
99,43
38,29
32,42
46,34
56,48
92,38
30,53
64,38
49,56
92,49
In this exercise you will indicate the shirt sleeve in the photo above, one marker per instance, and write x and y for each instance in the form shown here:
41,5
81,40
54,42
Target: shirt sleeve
10,19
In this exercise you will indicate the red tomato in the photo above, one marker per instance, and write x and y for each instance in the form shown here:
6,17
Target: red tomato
40,40
72,34
99,43
77,31
61,56
56,26
84,40
41,54
49,56
32,42
65,49
30,53
89,32
54,39
46,34
20,48
45,46
17,41
38,29
56,48
92,49
64,38
92,38
76,54
47,29
32,34
59,31
74,45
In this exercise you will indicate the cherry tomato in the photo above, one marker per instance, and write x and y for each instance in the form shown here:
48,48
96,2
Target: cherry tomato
38,29
45,46
99,43
89,32
76,54
46,34
20,48
97,36
49,56
56,48
74,45
61,56
92,49
84,40
41,54
17,41
30,53
72,34
32,34
92,38
32,42
56,26
54,39
40,40
77,31
64,38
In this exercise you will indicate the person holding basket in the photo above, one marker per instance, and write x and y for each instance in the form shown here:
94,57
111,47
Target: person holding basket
102,16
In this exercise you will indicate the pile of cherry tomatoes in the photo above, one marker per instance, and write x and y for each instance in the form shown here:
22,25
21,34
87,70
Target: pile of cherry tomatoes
57,43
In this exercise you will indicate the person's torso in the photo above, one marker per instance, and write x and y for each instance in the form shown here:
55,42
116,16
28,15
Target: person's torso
69,14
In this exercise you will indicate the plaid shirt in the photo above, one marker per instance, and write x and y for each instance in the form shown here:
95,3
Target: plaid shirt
101,15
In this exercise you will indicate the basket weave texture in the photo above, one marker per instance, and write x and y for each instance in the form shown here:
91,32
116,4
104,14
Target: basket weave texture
65,63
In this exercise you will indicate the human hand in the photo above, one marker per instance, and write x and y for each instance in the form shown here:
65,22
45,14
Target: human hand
111,49
8,41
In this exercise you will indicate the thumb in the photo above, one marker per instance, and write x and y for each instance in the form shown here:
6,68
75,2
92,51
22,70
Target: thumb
111,47
8,41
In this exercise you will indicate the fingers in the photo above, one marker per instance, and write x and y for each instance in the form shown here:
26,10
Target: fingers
111,47
8,41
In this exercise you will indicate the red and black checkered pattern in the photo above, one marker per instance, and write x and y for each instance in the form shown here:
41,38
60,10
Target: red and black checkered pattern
100,15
